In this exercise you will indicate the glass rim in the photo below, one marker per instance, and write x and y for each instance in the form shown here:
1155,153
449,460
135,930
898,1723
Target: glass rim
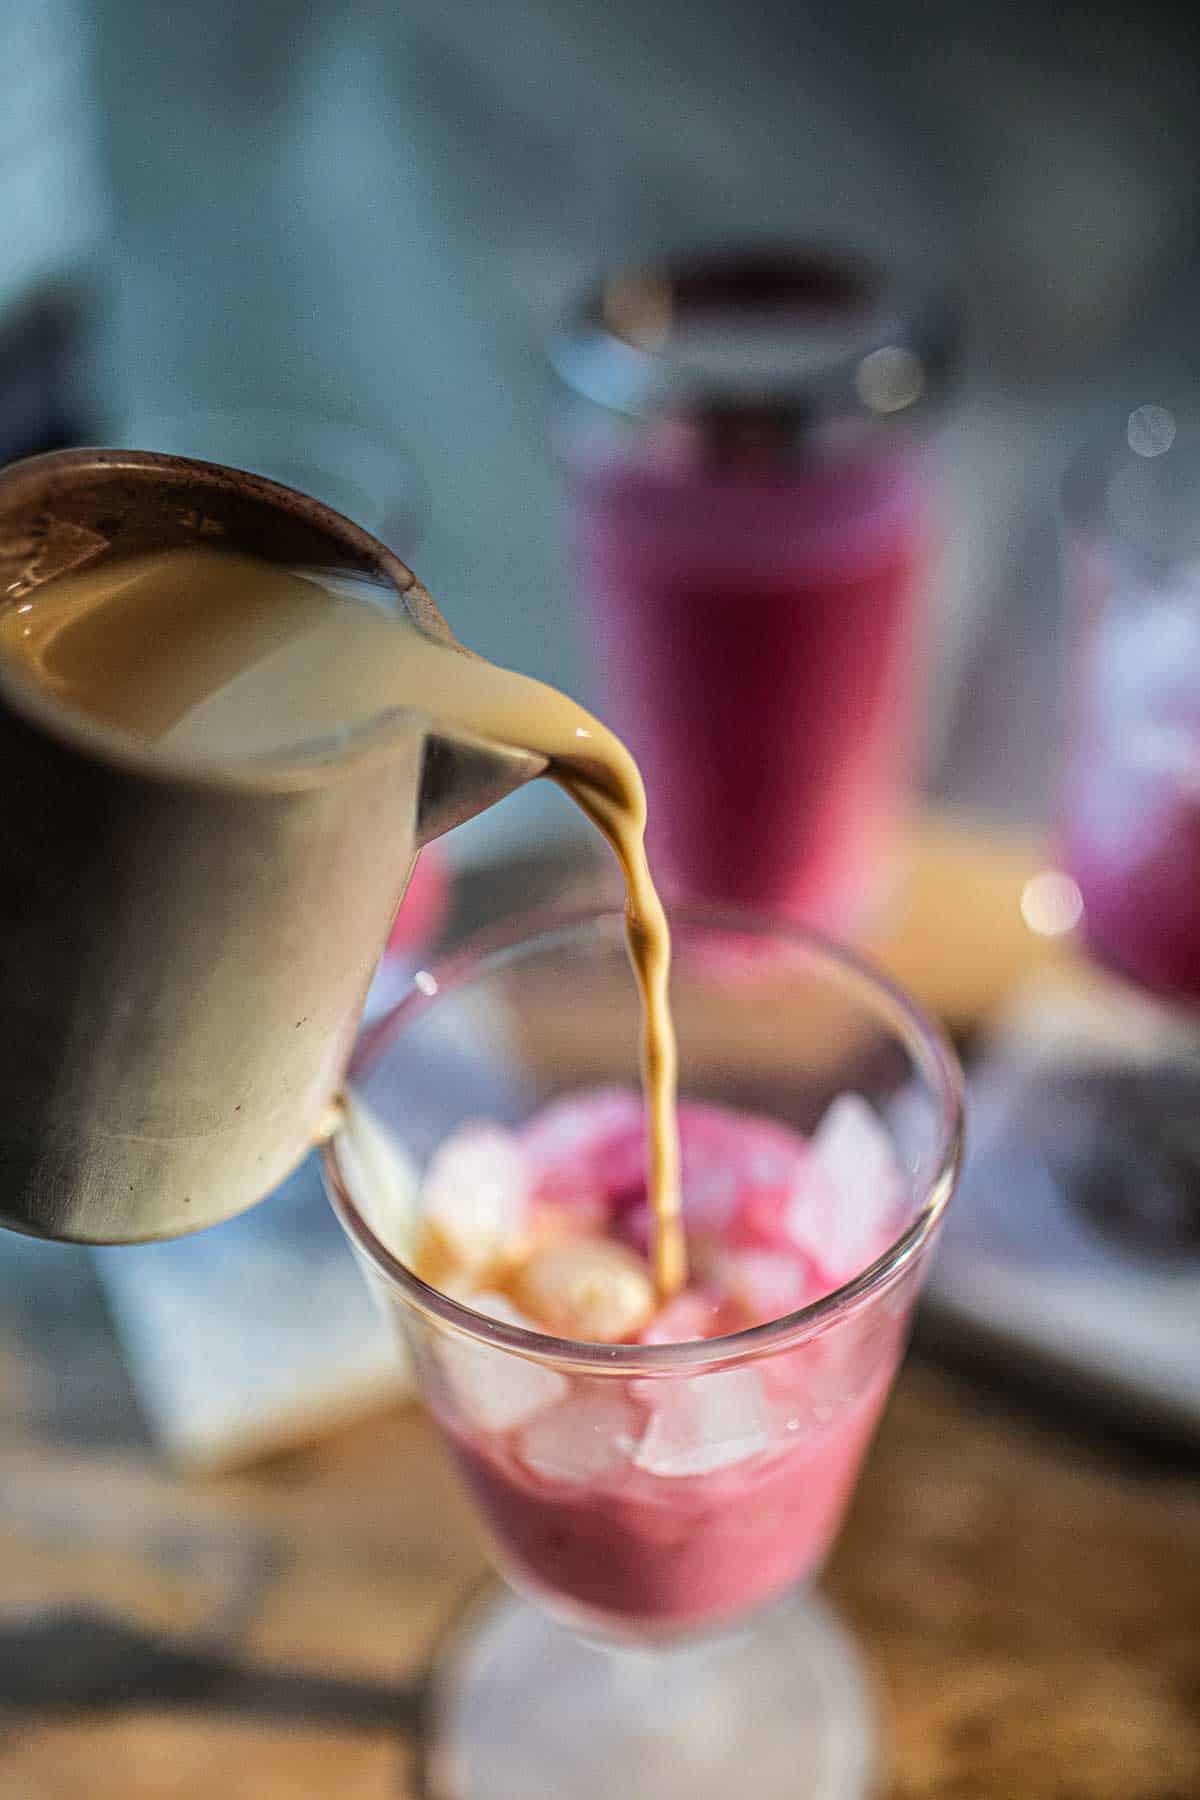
926,1040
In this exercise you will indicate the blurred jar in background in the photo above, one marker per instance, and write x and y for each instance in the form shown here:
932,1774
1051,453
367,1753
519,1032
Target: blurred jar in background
754,496
1130,807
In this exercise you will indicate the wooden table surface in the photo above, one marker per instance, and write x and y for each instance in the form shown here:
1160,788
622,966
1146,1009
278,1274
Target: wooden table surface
1028,1595
1029,1604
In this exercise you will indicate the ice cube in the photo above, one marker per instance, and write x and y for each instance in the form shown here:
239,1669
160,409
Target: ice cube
497,1389
705,1423
566,1205
577,1130
379,1174
476,1196
691,1315
710,1197
764,1284
495,1305
584,1439
759,1222
728,1157
843,1212
710,1131
592,1289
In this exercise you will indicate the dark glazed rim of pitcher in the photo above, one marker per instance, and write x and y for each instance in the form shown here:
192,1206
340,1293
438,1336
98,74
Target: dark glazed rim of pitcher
29,490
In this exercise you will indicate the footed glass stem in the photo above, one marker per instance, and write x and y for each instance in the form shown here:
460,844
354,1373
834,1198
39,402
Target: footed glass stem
779,1710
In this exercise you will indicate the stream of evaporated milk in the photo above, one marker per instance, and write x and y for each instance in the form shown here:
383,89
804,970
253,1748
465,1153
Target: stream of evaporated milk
219,655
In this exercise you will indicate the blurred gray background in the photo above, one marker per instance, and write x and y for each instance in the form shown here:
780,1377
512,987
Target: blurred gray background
370,211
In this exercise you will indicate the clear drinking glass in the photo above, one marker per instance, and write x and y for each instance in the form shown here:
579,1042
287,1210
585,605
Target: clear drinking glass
675,1645
1130,813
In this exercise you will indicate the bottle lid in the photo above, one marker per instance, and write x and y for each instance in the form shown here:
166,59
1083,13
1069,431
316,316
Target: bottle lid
771,346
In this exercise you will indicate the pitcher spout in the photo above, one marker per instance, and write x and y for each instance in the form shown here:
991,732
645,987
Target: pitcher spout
462,776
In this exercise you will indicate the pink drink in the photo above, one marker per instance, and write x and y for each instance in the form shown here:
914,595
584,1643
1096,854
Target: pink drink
1130,830
756,635
656,1503
661,1557
1133,845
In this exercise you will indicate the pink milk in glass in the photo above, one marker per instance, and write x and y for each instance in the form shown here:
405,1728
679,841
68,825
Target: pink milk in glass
620,1530
710,1548
753,544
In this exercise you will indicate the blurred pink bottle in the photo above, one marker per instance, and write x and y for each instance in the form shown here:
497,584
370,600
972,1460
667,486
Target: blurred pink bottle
753,539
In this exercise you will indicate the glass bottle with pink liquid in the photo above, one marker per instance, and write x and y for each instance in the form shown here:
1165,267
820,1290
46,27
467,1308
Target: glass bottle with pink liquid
754,495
